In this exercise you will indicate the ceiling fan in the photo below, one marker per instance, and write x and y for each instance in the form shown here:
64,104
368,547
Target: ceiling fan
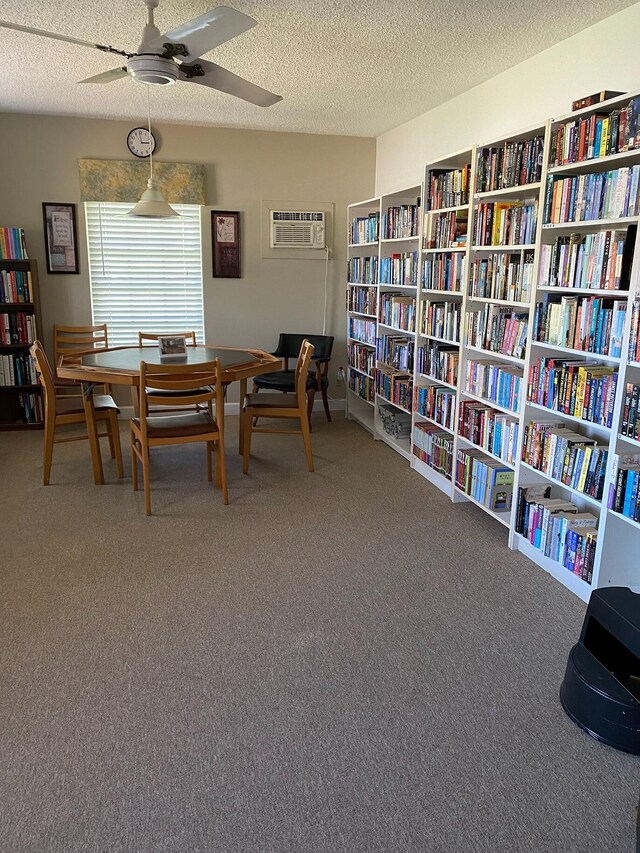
161,60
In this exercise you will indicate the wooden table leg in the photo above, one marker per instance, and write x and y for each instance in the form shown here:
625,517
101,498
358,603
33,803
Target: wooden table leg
92,432
243,392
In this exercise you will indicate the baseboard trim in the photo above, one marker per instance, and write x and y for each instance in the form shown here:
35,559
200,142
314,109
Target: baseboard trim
335,405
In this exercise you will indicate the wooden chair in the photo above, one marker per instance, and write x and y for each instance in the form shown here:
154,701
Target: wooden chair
318,377
72,339
151,336
59,411
190,385
283,405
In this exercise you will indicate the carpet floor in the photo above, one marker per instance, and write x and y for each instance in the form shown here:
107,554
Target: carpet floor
338,661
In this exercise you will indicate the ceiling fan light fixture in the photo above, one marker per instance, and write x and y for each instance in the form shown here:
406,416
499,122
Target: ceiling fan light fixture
152,204
153,70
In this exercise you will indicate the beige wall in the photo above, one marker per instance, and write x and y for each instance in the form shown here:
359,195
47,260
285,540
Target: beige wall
38,162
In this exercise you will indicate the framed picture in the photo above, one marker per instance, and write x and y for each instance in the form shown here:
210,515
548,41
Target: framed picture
225,235
172,346
60,243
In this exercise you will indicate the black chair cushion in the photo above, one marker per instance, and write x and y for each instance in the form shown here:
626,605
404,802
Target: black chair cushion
176,426
289,346
284,380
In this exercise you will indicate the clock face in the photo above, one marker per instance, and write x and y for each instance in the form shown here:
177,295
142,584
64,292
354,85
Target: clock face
140,142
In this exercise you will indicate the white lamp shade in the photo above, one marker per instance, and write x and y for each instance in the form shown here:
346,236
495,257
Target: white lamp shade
152,204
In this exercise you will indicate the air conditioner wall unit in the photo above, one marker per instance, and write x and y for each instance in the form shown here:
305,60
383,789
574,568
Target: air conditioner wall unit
297,229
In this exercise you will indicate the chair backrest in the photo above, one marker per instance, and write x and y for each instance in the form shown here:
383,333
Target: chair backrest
302,370
70,339
151,336
185,382
43,369
289,346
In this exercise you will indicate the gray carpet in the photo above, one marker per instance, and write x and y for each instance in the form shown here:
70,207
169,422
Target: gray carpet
338,661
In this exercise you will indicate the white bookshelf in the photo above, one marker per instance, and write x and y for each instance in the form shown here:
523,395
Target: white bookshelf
618,538
363,256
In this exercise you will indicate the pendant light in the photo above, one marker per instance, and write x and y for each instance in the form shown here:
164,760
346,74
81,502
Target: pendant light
152,204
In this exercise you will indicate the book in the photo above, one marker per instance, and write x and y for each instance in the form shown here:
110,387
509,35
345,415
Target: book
596,98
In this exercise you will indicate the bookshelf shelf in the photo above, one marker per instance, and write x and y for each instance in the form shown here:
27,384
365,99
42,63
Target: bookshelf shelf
395,405
484,450
522,189
593,501
358,370
362,314
626,518
503,518
361,245
607,359
463,205
361,342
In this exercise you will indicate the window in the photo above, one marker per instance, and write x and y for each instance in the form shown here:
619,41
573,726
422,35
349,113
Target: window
146,274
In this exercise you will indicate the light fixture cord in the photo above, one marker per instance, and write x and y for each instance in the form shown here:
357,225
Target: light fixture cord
149,123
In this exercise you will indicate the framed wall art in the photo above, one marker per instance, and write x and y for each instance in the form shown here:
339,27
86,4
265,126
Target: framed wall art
225,236
61,247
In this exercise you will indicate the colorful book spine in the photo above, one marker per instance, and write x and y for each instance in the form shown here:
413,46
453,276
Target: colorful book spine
434,447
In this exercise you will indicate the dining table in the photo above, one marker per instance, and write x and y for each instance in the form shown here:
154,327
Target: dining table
121,366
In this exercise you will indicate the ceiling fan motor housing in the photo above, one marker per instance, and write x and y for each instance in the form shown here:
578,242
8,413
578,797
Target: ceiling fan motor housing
153,70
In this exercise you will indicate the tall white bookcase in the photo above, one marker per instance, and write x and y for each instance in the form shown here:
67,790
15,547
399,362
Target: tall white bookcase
459,285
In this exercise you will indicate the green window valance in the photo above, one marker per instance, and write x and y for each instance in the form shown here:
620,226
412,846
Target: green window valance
126,180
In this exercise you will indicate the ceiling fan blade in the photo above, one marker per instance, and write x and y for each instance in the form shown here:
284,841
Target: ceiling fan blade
57,36
205,32
106,76
219,78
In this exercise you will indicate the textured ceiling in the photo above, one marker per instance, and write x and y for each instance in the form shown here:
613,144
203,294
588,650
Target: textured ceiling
354,68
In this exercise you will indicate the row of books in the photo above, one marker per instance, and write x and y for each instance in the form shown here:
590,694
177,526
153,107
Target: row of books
582,389
399,269
394,423
447,230
488,481
362,300
630,426
494,382
624,490
589,261
361,385
496,328
17,328
398,311
17,369
12,244
565,455
441,320
365,229
489,429
362,358
511,165
395,387
395,352
438,403
634,334
598,195
591,324
30,409
434,447
597,135
444,272
16,286
505,223
362,330
401,221
558,529
363,270
439,362
448,187
502,276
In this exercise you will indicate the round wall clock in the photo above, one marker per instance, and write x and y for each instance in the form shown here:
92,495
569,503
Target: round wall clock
140,142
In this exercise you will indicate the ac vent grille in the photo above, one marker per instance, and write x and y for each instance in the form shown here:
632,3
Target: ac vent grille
297,229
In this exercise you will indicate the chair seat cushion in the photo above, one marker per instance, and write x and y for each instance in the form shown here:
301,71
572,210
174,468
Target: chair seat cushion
162,392
73,405
270,401
175,426
284,380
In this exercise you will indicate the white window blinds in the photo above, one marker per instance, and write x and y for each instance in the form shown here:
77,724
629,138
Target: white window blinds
146,274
